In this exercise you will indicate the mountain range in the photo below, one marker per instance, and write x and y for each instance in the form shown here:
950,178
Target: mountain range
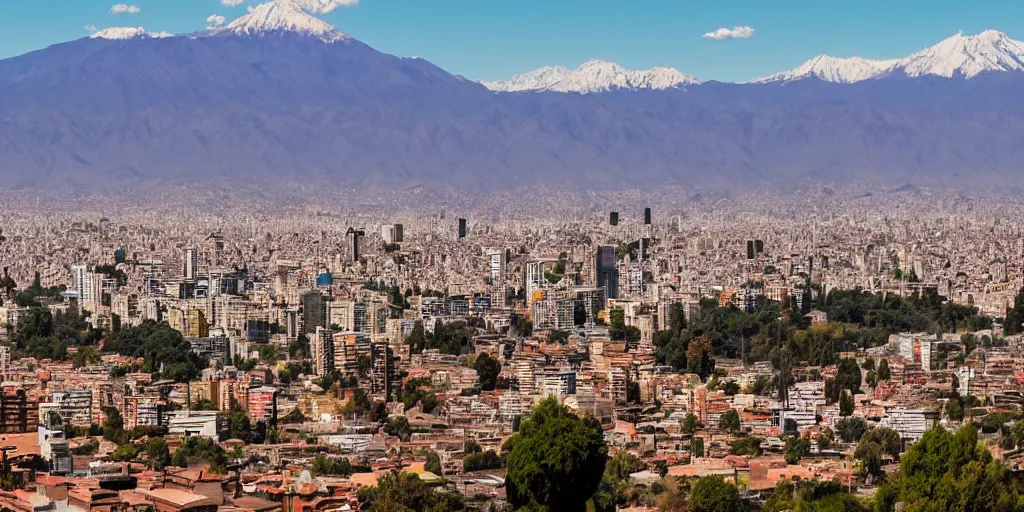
280,95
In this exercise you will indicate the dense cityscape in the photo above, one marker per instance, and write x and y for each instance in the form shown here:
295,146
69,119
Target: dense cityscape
828,350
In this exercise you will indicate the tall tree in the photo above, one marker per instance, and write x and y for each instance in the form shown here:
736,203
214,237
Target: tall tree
556,460
714,494
488,369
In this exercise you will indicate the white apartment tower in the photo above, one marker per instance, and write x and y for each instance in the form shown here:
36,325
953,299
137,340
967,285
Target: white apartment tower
496,264
322,350
191,263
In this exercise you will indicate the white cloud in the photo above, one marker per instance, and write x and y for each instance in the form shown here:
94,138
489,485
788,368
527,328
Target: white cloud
124,9
215,20
733,33
325,6
90,28
232,3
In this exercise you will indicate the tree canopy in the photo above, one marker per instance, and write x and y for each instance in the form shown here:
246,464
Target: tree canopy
714,494
162,348
950,472
556,460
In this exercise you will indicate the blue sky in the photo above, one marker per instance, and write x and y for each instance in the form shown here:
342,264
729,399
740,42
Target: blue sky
491,39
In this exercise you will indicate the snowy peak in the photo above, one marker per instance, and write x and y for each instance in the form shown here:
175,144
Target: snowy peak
123,33
278,16
957,56
592,76
834,69
967,56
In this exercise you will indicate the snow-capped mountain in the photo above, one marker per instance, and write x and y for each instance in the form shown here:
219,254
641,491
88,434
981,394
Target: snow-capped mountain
129,33
278,16
958,56
835,69
967,56
592,76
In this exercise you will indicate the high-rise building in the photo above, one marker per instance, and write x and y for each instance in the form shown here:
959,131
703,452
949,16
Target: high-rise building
647,216
262,404
5,358
191,264
314,311
534,278
462,228
356,234
384,376
392,233
607,271
321,349
496,262
613,218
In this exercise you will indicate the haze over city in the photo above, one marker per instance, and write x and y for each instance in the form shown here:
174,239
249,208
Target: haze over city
339,255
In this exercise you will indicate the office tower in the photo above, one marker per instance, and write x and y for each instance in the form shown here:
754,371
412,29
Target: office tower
356,234
750,249
387,233
191,264
321,349
89,287
462,228
534,278
647,216
496,263
613,218
392,233
78,273
758,246
314,311
384,377
291,323
607,272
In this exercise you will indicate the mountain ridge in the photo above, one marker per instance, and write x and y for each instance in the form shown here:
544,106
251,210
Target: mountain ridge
958,56
277,103
593,76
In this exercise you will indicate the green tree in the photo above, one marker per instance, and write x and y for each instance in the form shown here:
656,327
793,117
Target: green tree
158,453
849,375
85,356
852,428
204,404
690,423
488,369
556,460
714,494
884,373
730,421
163,350
797,448
398,427
403,491
697,447
238,425
125,453
846,405
336,466
417,339
433,463
825,438
1015,315
947,471
622,465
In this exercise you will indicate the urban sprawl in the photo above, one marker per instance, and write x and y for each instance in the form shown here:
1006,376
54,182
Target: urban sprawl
826,358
